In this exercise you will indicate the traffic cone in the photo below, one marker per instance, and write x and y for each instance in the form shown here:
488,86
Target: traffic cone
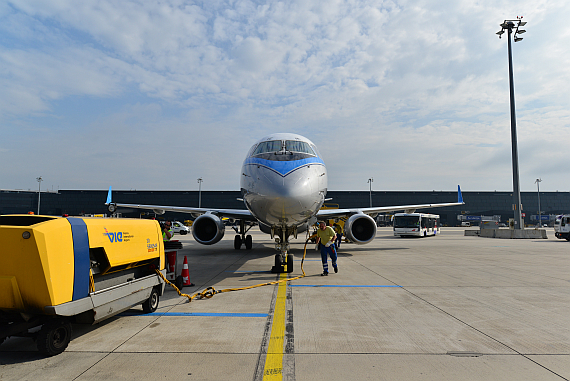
186,274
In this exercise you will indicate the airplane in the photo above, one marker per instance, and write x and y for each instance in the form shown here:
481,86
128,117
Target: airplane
283,185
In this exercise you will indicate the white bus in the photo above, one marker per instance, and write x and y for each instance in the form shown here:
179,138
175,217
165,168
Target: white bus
416,224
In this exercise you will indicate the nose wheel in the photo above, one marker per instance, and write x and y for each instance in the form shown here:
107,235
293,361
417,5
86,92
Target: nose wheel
283,264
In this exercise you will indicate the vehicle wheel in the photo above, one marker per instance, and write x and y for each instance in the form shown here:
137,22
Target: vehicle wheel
151,304
248,242
568,237
289,263
54,336
179,282
237,242
183,232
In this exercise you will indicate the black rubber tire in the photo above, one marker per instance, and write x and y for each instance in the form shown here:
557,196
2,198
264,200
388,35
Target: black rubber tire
179,282
237,242
54,337
151,304
289,263
248,242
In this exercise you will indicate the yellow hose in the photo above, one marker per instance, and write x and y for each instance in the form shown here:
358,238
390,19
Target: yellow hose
211,291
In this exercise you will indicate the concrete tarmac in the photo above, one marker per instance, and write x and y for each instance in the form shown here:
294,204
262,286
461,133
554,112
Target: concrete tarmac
448,307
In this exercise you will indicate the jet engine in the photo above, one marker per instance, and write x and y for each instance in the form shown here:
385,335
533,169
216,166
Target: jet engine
208,229
360,228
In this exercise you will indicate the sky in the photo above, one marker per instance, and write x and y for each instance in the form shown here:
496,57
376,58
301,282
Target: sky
156,94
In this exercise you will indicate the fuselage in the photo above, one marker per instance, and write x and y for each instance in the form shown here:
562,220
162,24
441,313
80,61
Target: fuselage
283,180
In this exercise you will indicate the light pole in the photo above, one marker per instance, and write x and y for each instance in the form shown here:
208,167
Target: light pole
509,25
39,180
200,192
538,181
370,181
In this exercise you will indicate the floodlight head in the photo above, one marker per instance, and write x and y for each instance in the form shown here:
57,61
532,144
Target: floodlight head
522,23
517,39
500,32
521,31
504,25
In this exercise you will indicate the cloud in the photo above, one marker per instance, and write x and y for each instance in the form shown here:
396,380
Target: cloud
415,92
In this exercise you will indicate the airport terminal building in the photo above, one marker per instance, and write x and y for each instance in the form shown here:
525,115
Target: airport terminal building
477,204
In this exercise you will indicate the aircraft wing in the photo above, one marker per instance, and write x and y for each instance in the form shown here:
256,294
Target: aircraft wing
382,209
241,214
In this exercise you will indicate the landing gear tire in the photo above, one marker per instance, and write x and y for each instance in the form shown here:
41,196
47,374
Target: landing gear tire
151,304
54,336
279,267
237,242
248,242
289,263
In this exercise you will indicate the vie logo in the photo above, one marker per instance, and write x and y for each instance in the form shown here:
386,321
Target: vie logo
114,236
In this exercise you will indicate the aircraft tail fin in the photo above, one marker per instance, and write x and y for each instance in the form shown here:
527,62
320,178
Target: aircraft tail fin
459,196
108,197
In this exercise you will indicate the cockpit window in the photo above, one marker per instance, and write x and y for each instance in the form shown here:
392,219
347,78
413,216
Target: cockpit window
269,146
297,146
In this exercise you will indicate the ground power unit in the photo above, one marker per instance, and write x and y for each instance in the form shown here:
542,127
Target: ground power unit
56,270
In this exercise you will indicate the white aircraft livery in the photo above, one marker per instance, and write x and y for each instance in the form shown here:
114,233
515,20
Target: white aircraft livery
283,185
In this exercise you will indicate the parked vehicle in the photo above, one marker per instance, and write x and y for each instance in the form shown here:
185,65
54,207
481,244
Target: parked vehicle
416,224
180,228
55,271
562,227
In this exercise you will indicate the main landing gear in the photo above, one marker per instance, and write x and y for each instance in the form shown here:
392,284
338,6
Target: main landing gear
241,238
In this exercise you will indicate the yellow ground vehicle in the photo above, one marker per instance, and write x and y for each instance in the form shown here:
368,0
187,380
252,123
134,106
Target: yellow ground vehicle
56,270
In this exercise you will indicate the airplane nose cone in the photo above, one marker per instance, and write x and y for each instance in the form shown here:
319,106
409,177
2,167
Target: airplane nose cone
290,199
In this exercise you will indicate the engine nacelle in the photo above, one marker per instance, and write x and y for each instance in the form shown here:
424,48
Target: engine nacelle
265,228
360,228
208,229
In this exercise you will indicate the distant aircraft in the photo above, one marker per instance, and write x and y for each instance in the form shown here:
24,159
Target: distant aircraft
283,185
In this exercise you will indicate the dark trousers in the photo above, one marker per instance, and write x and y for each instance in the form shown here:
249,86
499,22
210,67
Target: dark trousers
330,251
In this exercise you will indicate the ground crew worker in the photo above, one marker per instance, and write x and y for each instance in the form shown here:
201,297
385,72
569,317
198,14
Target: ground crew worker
167,231
338,238
325,237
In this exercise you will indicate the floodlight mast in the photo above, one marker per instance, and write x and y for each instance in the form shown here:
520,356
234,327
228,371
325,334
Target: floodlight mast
509,25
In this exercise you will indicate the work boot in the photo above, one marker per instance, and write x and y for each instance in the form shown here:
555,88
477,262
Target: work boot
325,273
335,269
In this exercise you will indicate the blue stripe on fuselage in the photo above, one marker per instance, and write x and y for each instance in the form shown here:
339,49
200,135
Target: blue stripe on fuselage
283,167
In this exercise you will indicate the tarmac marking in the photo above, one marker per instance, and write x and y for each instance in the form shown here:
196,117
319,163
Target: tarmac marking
273,369
249,271
208,314
340,285
309,260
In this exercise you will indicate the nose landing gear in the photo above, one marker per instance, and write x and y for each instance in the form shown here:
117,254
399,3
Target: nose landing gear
283,260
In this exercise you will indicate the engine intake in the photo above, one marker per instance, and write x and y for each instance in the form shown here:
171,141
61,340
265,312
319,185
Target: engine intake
208,229
360,228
